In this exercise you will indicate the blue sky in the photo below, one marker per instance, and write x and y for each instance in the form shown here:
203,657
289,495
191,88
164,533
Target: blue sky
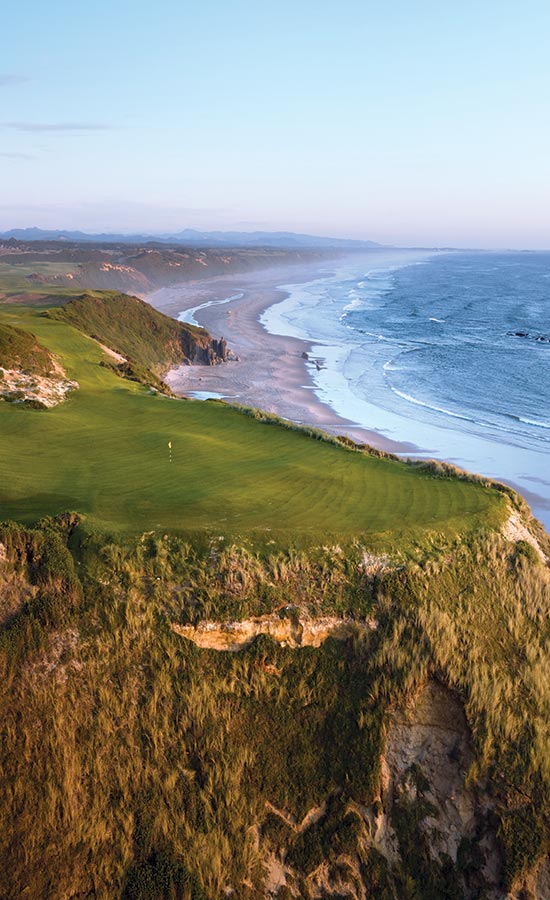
410,123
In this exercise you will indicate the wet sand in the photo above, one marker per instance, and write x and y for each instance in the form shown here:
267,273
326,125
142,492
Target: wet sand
271,372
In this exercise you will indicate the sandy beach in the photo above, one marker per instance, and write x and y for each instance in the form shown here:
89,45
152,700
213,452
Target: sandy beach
271,371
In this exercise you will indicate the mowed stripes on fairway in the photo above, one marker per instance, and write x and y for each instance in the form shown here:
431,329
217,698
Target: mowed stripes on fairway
104,453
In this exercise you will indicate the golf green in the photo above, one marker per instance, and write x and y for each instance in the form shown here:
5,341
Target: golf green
105,454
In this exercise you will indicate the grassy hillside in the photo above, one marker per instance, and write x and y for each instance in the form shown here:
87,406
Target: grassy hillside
19,349
134,329
137,767
104,453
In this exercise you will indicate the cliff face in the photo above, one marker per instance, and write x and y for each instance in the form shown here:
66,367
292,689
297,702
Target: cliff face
288,627
144,342
376,730
201,349
425,818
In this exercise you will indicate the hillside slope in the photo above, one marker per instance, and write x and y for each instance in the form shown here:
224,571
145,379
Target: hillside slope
137,331
376,724
19,349
148,341
29,374
135,268
408,760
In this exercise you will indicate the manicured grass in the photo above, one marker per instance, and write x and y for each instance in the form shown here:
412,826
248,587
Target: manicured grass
104,453
13,279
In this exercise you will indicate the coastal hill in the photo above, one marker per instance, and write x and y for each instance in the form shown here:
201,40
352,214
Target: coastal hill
243,658
144,343
136,268
258,477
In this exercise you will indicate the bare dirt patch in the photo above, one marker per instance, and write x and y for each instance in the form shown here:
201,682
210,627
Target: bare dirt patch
18,387
516,530
288,631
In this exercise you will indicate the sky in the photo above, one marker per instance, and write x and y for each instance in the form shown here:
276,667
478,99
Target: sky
415,123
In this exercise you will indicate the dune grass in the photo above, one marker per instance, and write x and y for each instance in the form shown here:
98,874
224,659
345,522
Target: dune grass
138,763
104,453
133,328
19,349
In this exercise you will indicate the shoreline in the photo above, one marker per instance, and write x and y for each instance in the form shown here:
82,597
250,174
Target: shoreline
271,371
274,374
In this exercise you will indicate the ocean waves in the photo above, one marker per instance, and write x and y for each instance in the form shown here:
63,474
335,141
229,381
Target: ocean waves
417,346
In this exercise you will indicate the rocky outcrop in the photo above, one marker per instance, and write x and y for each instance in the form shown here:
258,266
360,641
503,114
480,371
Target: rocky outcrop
424,780
201,349
516,530
428,822
541,338
288,629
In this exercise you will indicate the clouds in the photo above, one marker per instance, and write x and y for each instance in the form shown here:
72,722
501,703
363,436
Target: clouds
29,127
67,127
23,126
44,128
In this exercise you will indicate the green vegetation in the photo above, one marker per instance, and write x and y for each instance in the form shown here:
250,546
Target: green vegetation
135,766
15,286
20,349
104,453
15,273
143,766
133,328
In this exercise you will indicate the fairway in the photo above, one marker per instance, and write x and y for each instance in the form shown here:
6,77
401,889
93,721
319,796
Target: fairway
104,454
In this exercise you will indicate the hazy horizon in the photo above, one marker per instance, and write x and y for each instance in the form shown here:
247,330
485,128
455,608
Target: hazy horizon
166,234
407,126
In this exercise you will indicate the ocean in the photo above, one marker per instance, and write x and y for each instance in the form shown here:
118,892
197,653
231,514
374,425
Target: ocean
449,351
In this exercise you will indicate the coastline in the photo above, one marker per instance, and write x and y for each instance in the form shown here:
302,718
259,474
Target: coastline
271,371
276,372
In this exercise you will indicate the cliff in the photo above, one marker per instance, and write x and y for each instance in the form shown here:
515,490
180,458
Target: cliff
379,727
145,342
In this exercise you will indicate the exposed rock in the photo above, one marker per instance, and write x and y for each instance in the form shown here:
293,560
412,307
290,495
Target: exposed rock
58,657
17,386
288,631
425,805
541,880
201,349
428,754
541,338
516,530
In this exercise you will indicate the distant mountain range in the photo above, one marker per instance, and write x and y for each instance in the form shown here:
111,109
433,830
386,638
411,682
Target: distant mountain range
281,239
